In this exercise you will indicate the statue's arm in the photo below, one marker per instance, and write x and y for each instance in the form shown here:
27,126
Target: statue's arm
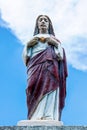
28,49
26,54
59,51
57,46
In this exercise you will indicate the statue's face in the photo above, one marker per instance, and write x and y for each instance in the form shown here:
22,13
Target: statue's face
43,23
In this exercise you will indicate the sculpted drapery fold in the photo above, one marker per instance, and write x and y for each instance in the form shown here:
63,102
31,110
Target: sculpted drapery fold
45,74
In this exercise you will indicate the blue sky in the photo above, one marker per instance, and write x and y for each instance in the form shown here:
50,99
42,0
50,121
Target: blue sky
16,30
13,79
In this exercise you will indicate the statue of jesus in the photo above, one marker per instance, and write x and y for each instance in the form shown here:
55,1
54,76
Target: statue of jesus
46,65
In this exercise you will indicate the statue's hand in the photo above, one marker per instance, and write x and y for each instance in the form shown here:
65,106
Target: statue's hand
32,42
52,41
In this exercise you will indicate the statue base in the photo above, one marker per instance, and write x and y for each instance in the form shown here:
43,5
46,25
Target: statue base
39,123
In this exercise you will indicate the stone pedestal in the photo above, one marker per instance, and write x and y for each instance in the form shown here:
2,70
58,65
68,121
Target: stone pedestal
43,127
39,123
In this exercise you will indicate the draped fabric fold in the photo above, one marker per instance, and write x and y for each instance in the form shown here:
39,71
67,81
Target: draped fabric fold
44,73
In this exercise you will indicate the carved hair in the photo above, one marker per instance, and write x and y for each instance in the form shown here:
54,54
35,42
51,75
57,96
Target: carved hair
50,30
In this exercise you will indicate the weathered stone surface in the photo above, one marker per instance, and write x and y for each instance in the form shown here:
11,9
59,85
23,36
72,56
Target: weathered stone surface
43,128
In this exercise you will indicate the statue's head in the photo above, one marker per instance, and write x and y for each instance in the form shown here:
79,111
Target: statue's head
45,24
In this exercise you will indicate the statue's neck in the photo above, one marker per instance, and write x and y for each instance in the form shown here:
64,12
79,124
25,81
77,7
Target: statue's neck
43,31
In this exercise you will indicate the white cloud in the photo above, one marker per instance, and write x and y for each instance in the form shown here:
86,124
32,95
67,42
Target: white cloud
76,49
68,17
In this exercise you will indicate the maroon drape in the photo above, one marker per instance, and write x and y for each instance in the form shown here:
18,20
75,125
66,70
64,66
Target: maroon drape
44,76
